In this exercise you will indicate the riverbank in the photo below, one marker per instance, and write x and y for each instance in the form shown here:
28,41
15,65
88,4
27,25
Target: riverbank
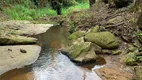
17,48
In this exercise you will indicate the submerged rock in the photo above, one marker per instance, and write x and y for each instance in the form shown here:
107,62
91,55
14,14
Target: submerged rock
81,51
15,59
103,39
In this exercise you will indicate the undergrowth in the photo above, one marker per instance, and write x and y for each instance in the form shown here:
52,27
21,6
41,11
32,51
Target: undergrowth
22,12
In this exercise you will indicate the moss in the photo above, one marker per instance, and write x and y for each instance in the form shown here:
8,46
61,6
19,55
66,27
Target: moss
76,35
76,49
15,39
130,59
139,58
103,39
95,29
115,52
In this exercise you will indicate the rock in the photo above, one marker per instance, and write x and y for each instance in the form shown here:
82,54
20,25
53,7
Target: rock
115,20
139,58
138,71
95,29
130,59
23,51
23,27
9,49
97,48
15,39
16,32
113,74
81,51
76,35
14,59
132,49
103,39
115,52
106,51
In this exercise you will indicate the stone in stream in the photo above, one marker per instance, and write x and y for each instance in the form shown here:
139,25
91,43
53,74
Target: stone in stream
14,59
103,39
81,51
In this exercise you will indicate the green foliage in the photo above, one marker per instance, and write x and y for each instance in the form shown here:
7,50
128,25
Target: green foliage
78,7
20,12
25,12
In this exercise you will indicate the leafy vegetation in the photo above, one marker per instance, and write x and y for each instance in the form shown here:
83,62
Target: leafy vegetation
20,12
26,10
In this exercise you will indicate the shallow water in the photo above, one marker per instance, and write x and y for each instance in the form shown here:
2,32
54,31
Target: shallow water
53,65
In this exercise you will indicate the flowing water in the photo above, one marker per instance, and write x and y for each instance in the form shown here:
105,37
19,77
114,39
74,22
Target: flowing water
53,65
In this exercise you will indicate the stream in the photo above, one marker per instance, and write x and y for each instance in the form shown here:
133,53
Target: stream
52,64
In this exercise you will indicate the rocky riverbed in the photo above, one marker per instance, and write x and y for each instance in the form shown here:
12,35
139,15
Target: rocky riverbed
17,48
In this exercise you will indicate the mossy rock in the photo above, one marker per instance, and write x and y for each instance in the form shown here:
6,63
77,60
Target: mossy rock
130,59
103,39
16,39
138,72
81,51
95,29
76,35
116,52
131,48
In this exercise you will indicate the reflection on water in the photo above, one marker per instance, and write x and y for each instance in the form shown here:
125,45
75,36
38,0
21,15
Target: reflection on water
94,65
18,74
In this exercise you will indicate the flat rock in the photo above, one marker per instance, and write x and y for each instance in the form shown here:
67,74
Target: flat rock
18,32
113,74
24,27
11,57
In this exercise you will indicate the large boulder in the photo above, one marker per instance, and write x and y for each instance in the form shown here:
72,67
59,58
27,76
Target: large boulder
138,71
81,51
103,39
12,57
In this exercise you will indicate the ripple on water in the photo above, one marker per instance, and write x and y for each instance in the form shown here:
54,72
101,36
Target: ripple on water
62,69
